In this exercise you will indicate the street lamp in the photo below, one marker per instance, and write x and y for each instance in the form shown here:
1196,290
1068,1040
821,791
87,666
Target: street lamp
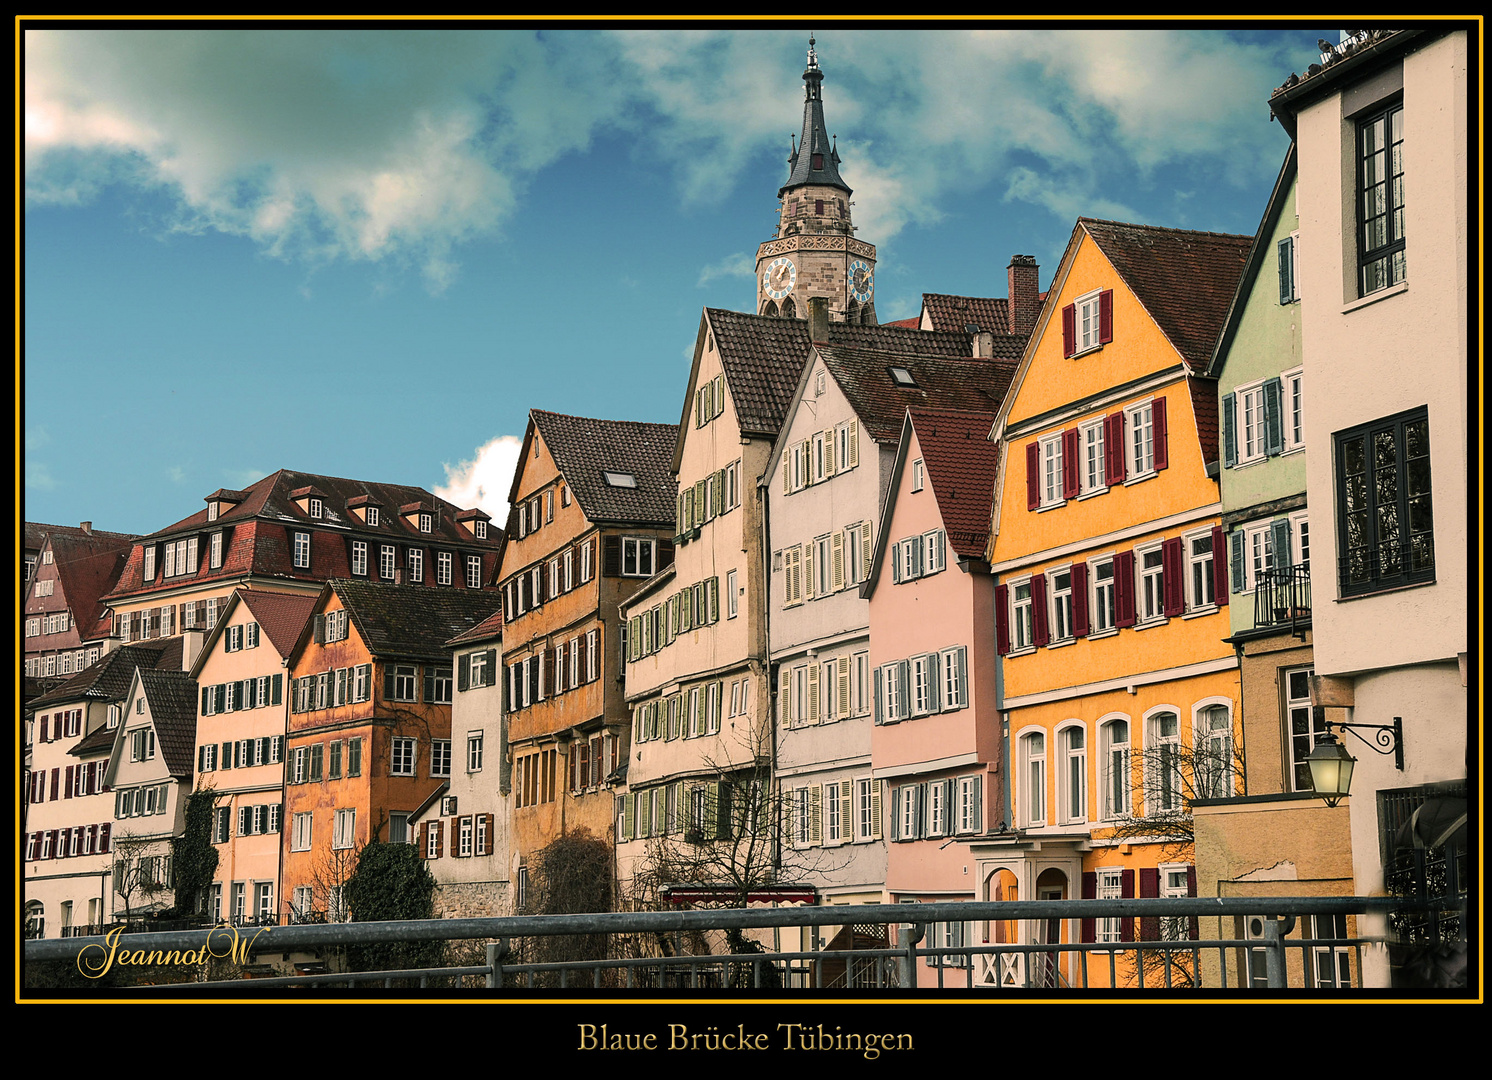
1331,768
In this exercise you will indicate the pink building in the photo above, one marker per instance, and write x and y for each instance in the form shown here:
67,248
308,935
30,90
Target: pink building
937,739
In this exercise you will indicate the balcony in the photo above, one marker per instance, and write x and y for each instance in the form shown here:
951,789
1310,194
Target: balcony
1282,599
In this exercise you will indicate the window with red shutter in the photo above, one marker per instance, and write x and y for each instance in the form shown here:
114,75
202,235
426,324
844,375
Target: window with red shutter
1002,619
1040,635
1158,432
1124,588
1070,463
1069,330
1033,476
1113,449
1173,561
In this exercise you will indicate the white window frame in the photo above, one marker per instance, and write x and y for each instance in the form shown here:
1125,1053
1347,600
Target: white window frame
1292,410
1114,758
440,757
443,567
1059,603
1300,539
1033,761
403,754
1201,571
1258,552
1156,802
1139,441
1022,620
1049,460
1248,421
918,475
344,829
1110,886
1093,477
636,545
300,832
1086,332
1072,775
475,745
867,809
1225,786
302,550
1150,584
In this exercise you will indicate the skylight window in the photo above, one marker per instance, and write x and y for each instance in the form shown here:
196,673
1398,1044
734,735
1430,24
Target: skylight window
620,479
902,377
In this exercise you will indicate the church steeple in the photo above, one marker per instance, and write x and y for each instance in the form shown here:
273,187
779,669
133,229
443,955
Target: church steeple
815,160
815,253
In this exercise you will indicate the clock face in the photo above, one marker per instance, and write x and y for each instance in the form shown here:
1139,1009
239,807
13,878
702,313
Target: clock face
861,281
779,276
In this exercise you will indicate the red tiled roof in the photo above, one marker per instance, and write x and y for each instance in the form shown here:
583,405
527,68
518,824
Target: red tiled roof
281,616
88,565
173,713
1184,279
488,628
941,383
960,462
989,314
584,448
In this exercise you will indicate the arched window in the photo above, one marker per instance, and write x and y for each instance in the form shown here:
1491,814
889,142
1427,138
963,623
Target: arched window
1072,775
1033,760
852,313
1163,790
1212,730
789,309
770,308
1113,748
36,924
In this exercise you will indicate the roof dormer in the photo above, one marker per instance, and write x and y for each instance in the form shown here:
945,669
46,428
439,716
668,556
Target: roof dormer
420,516
313,502
222,501
478,522
365,508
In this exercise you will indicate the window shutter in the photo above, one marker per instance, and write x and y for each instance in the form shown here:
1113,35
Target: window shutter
814,693
903,702
1033,476
880,716
67,787
853,446
318,629
1080,599
1149,887
1230,435
611,556
440,838
896,813
1219,568
1069,329
1124,588
1235,559
836,559
463,672
1113,449
1070,463
1173,577
866,548
1274,432
1280,527
225,760
1090,892
1002,619
1286,265
1039,632
665,554
103,837
1106,316
896,562
1158,432
805,558
875,810
1126,892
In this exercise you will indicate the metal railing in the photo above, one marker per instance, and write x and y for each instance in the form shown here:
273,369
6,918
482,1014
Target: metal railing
1283,597
900,957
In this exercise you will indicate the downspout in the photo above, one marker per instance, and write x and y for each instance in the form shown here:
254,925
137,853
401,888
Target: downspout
766,608
1242,728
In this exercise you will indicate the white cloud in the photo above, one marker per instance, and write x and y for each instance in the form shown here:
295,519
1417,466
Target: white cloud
484,481
740,265
39,476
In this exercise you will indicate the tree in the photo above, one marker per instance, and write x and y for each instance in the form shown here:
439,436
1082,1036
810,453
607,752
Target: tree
572,875
194,857
391,882
139,869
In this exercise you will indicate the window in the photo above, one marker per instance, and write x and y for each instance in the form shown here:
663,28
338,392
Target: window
924,671
372,515
1152,583
426,522
637,556
1072,780
1033,773
473,571
300,833
344,829
1114,769
969,814
1110,886
386,561
1380,203
1022,627
955,664
1385,521
1302,726
1059,585
1175,883
1292,392
732,598
902,377
917,475
402,762
474,752
215,551
1140,447
867,809
1101,609
1088,322
1258,554
302,551
1050,449
1249,408
1092,474
355,757
440,757
1212,755
933,558
1163,784
1201,583
1331,965
443,567
400,682
416,560
142,744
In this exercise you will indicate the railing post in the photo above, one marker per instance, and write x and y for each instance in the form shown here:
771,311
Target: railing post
494,980
1274,949
906,939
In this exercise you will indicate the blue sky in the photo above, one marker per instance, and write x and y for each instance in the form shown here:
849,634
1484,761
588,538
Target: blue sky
369,252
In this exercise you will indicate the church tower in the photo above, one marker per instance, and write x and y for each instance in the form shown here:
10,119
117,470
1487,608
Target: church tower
815,252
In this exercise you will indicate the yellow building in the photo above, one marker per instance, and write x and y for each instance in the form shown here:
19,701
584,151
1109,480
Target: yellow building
1120,698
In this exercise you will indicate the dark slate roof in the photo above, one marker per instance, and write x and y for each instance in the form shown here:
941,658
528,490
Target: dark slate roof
173,710
99,741
109,679
763,358
258,540
960,462
942,383
1184,279
489,628
281,616
814,138
584,448
988,313
410,622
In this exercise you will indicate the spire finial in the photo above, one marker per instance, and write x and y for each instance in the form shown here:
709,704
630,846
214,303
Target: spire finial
813,60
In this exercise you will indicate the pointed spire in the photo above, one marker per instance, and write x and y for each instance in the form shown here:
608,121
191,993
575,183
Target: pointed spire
816,160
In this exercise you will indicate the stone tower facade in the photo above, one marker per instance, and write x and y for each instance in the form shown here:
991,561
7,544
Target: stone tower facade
815,252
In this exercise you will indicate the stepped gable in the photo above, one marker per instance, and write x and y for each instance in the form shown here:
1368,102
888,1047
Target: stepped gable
584,448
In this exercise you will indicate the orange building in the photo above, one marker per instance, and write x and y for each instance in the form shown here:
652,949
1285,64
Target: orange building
369,737
1119,695
593,518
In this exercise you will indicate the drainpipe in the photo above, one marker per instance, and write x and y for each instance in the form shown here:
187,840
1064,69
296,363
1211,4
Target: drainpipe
771,695
1242,746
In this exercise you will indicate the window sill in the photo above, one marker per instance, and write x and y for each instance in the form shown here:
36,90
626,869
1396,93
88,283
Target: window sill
1244,464
1197,613
1088,351
1025,650
1051,506
1148,624
1147,475
1060,643
1096,491
1374,297
1099,635
1382,591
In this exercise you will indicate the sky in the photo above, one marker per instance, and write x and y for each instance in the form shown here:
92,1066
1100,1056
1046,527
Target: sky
368,251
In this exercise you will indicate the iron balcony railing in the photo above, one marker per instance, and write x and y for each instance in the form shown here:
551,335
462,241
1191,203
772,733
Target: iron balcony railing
1283,597
1007,945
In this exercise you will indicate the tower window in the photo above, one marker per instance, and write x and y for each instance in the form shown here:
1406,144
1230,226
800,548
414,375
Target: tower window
818,163
818,206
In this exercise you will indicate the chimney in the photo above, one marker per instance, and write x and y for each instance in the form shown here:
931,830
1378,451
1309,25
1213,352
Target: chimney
818,318
984,345
87,527
191,647
1024,292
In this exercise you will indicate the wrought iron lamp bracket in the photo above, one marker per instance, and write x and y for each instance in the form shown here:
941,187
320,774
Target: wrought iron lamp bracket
1387,738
